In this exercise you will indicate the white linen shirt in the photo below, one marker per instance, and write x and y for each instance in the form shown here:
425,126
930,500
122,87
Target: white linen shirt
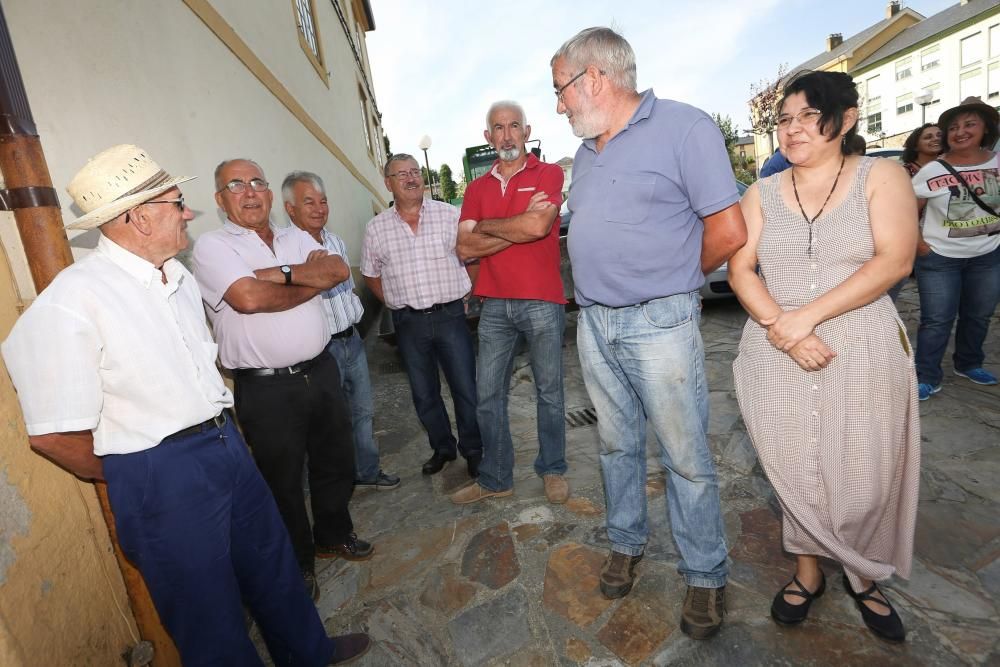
417,270
258,340
109,347
340,303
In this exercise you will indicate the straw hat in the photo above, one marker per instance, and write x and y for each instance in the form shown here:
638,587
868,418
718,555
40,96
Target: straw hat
969,105
115,180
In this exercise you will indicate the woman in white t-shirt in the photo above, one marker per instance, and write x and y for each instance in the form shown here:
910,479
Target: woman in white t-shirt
958,255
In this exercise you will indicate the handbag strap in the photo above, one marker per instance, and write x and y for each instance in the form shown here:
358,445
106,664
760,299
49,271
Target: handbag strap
972,193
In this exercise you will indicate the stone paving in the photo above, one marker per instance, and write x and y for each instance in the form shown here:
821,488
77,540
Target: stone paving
514,581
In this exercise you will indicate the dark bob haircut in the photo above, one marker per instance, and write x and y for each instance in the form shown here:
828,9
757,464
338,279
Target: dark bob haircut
910,145
991,133
832,93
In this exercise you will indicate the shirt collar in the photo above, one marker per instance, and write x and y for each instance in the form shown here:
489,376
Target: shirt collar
137,267
645,109
237,230
531,163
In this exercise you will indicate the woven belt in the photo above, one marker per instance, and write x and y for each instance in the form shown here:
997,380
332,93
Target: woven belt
435,307
346,333
218,421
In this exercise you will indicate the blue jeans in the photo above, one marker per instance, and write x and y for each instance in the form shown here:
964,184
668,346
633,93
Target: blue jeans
357,385
968,288
427,341
502,324
195,516
647,362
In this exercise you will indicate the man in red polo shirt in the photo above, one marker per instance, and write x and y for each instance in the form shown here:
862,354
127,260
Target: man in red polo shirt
510,221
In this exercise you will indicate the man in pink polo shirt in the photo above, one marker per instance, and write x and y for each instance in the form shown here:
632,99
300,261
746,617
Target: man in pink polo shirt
510,220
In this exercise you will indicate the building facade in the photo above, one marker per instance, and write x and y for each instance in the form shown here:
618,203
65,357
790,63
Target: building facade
286,83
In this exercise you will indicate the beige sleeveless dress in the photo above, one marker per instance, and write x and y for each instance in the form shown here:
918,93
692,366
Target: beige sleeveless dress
841,446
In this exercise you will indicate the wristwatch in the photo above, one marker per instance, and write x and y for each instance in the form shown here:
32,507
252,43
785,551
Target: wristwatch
287,270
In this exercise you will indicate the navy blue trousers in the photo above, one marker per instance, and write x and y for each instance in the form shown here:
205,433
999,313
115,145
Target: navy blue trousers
195,517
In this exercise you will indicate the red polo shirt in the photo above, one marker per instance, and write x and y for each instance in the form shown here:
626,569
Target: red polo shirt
524,270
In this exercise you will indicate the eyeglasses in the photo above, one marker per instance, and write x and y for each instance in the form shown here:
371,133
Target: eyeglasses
559,91
806,117
412,173
179,202
239,187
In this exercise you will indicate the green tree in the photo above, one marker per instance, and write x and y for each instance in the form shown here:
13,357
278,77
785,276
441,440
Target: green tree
448,186
729,132
764,105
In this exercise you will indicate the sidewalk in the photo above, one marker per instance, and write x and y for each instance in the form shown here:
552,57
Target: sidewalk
514,580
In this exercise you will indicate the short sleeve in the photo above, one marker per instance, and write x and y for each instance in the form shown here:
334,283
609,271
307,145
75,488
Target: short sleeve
371,260
471,204
922,179
217,266
551,182
705,170
57,381
307,244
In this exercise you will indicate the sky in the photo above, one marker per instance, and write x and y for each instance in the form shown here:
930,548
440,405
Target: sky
437,66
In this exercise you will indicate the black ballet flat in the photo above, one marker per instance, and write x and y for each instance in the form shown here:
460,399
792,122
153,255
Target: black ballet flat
888,627
789,614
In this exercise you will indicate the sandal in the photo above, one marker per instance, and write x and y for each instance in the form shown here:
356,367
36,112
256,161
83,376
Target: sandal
789,614
887,627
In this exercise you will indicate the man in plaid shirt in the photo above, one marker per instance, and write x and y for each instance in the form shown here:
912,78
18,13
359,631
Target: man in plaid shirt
409,263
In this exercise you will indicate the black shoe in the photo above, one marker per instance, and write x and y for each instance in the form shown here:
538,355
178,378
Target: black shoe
347,648
309,579
434,464
382,482
351,549
785,612
887,627
473,461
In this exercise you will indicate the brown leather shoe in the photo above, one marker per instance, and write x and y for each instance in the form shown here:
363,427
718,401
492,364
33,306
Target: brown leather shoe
348,648
703,611
556,489
618,574
473,493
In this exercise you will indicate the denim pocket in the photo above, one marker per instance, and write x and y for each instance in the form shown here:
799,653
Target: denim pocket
628,199
669,312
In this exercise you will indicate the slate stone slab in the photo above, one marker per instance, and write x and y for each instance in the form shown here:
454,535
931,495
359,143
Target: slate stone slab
494,629
490,558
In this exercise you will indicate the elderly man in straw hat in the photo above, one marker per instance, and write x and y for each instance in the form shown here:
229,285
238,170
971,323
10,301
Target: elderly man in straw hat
115,371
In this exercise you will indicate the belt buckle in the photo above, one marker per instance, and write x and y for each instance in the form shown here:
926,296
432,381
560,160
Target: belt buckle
219,420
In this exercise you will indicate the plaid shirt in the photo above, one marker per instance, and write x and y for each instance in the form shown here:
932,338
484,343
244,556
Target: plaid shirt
417,270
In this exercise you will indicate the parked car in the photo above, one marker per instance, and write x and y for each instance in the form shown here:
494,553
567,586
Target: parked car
890,153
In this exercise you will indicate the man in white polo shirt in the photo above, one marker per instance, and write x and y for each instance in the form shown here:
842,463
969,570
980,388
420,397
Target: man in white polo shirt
306,205
262,286
115,371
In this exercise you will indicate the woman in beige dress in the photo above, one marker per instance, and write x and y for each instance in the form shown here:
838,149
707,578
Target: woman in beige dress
825,375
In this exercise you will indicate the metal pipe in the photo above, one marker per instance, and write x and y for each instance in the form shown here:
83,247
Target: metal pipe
33,200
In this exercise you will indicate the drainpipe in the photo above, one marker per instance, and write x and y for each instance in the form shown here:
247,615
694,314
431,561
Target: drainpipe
30,196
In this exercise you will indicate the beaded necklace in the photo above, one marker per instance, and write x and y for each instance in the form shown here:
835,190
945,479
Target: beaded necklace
825,202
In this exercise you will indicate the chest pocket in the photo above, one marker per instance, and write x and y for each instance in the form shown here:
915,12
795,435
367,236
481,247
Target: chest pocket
433,246
628,199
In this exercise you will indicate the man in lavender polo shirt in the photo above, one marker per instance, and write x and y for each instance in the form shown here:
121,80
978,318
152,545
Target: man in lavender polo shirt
262,285
409,263
655,208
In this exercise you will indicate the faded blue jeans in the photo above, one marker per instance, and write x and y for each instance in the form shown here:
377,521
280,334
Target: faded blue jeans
502,324
647,362
968,288
357,385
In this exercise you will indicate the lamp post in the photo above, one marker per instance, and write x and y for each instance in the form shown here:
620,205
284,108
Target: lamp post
425,143
924,100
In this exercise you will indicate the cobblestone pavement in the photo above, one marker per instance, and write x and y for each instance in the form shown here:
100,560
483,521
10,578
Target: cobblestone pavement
514,580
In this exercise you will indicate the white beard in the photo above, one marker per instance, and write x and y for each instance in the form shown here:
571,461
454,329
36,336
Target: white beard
509,154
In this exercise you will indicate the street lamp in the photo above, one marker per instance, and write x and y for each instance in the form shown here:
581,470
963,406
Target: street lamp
425,143
924,100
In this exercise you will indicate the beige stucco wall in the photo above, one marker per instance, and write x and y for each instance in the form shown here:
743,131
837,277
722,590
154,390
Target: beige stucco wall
62,600
154,74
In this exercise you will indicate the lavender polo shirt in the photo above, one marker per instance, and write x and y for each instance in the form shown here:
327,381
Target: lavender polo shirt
258,340
637,205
